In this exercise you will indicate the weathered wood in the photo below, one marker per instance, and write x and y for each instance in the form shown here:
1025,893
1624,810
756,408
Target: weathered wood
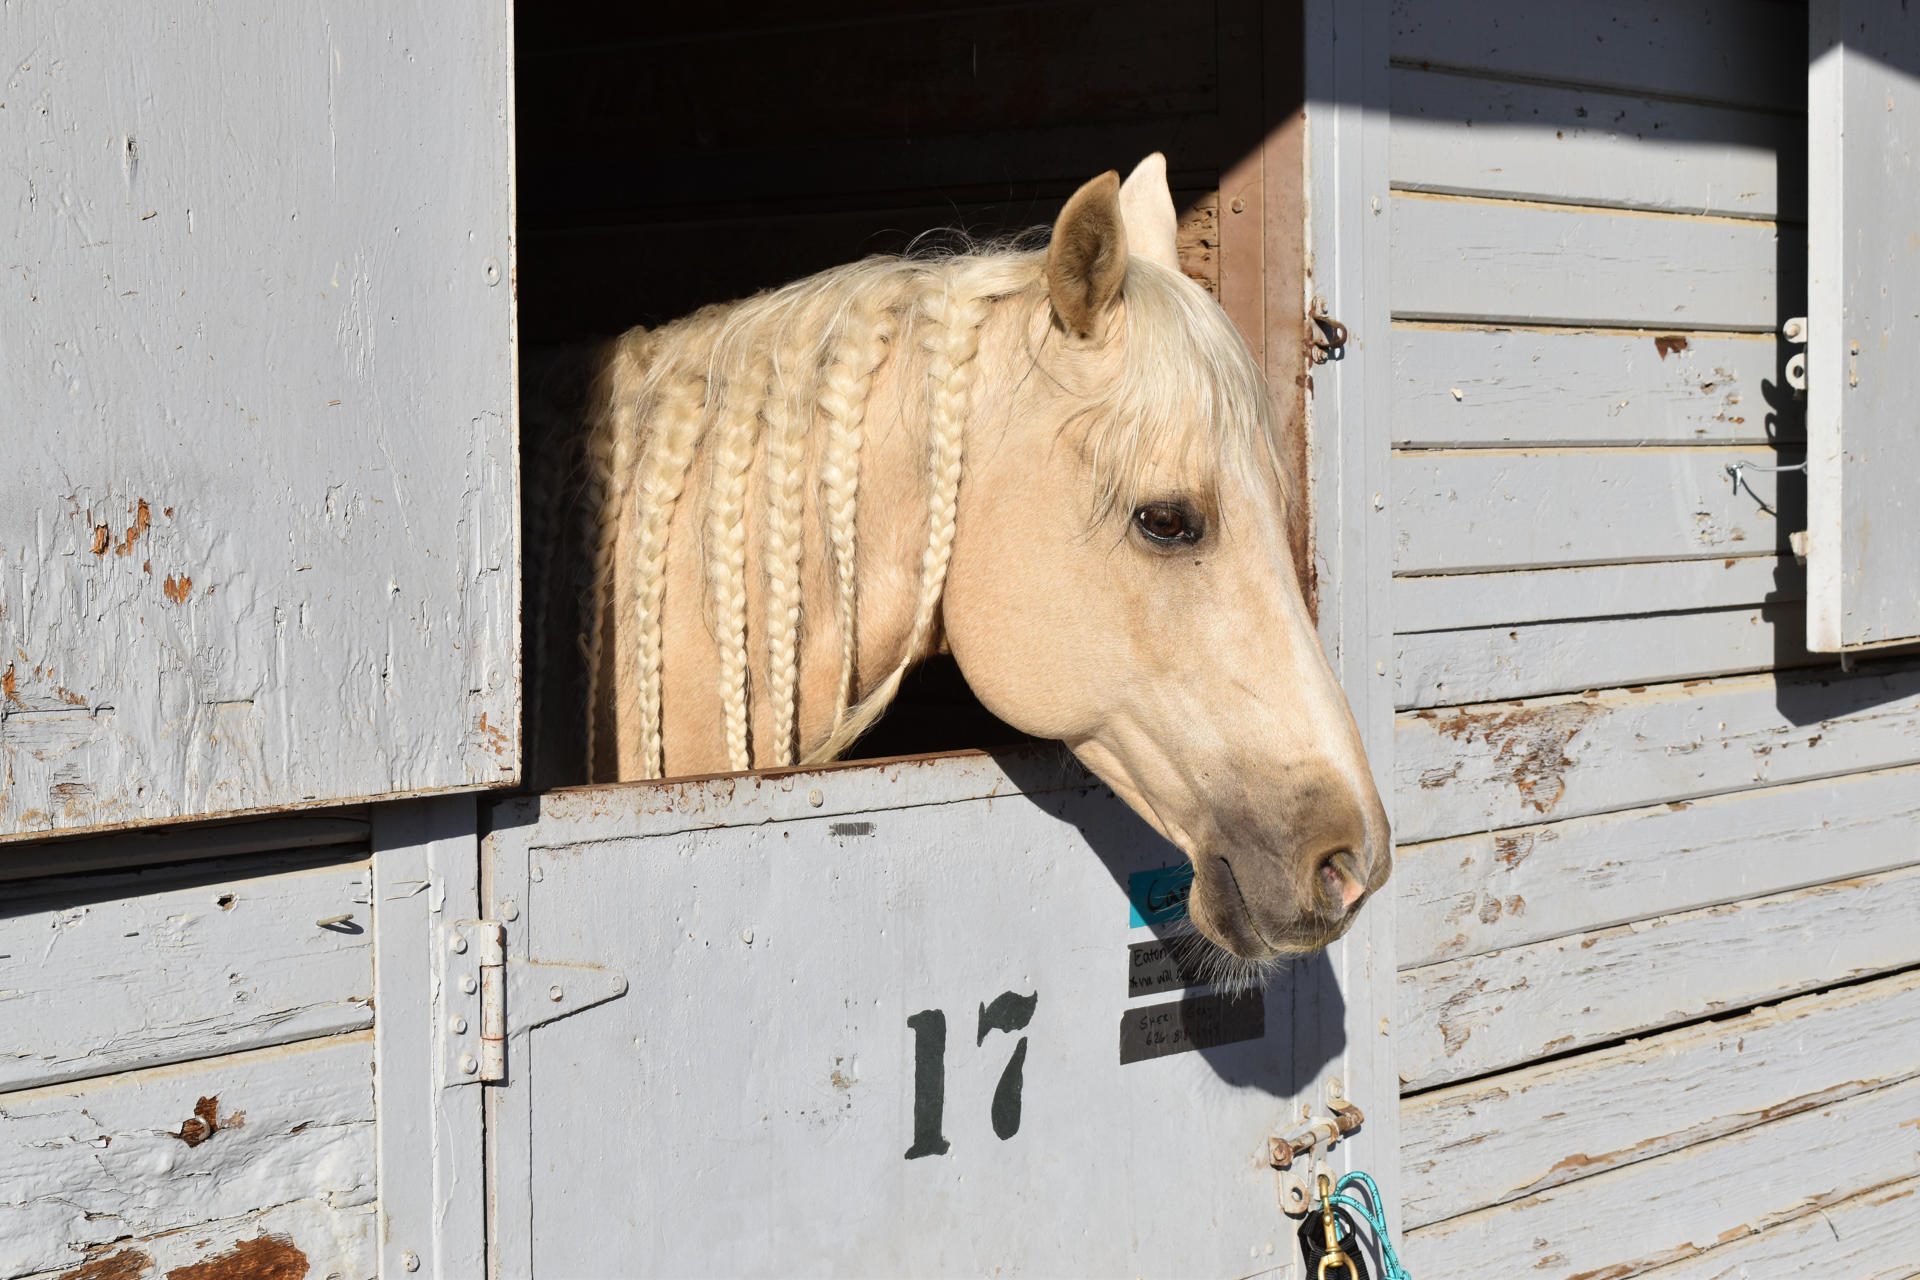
1469,1017
1442,602
1444,668
1739,51
180,844
1478,510
1630,1220
1462,135
1863,321
1460,387
1870,1236
1505,765
304,1238
85,1165
257,517
1475,1145
1484,261
111,972
1479,893
426,864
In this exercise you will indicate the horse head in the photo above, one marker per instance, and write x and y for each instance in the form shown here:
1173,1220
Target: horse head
1123,579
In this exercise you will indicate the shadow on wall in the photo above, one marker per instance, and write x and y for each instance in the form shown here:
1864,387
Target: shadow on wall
1300,1025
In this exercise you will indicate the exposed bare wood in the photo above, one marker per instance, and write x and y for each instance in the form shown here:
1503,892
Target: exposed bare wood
1630,1220
85,1165
1464,1018
1510,764
1474,1145
1484,892
1870,1236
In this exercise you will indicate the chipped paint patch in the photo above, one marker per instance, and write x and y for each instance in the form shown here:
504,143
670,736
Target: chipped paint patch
262,1258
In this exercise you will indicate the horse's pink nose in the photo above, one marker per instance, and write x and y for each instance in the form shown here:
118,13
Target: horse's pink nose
1337,871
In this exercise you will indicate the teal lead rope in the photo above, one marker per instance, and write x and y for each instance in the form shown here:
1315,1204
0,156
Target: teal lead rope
1376,1219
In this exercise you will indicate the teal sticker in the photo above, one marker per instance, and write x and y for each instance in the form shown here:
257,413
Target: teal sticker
1159,894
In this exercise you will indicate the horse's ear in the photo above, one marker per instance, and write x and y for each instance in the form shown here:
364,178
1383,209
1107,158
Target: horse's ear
1146,208
1087,258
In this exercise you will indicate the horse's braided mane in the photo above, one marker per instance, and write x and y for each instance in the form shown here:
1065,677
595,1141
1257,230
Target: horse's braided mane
750,383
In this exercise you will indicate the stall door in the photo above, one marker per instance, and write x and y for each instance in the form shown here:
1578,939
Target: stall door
257,504
904,1019
1863,326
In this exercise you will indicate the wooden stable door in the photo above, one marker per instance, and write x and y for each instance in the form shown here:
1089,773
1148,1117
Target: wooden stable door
1863,326
257,508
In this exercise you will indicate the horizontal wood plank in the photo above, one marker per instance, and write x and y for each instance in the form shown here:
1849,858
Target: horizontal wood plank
1463,135
1751,52
1489,767
1476,1145
1463,387
1480,510
1451,601
1464,1018
1447,668
130,1156
304,1238
1483,261
1870,1236
181,844
1479,893
111,972
1630,1220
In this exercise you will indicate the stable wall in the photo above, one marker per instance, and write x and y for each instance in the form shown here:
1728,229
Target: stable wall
1657,876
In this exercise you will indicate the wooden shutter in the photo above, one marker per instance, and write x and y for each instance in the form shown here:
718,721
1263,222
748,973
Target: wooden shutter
1863,351
257,509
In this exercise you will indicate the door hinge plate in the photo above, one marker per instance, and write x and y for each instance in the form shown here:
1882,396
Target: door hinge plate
482,1001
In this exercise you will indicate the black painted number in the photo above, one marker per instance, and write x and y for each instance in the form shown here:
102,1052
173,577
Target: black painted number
1009,1012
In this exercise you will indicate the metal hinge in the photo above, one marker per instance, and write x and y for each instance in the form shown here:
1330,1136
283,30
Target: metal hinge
482,1000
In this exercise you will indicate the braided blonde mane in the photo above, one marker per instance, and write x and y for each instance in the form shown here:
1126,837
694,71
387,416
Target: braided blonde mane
772,396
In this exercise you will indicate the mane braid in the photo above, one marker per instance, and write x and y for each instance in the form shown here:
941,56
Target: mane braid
952,341
847,385
787,424
609,473
664,465
736,431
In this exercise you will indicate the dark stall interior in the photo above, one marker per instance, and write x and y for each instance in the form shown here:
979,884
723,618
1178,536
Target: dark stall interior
673,156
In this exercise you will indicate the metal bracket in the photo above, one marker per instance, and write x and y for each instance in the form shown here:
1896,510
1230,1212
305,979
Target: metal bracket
482,1001
1330,342
539,992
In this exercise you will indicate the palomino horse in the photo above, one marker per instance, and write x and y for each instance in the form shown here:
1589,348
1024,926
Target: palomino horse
1064,468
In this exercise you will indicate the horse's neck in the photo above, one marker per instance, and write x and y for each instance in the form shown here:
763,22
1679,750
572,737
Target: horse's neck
903,494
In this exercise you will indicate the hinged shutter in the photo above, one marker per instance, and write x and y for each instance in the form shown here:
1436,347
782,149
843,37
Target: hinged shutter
257,510
1863,354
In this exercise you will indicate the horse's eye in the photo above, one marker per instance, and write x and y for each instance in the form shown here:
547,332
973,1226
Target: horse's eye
1167,524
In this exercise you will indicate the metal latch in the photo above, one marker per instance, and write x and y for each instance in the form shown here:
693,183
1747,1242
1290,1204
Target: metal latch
482,1000
1330,342
1305,1143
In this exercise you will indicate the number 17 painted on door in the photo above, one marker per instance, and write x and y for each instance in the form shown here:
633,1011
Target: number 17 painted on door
1008,1012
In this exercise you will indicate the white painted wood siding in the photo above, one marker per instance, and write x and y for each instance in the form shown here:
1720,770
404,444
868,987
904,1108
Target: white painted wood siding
105,973
1863,323
270,1143
1627,830
258,513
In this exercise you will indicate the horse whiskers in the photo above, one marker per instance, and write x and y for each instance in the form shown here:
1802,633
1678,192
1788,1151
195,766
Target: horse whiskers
1210,964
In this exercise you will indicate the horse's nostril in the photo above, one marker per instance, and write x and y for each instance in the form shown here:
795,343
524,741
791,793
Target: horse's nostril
1339,873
